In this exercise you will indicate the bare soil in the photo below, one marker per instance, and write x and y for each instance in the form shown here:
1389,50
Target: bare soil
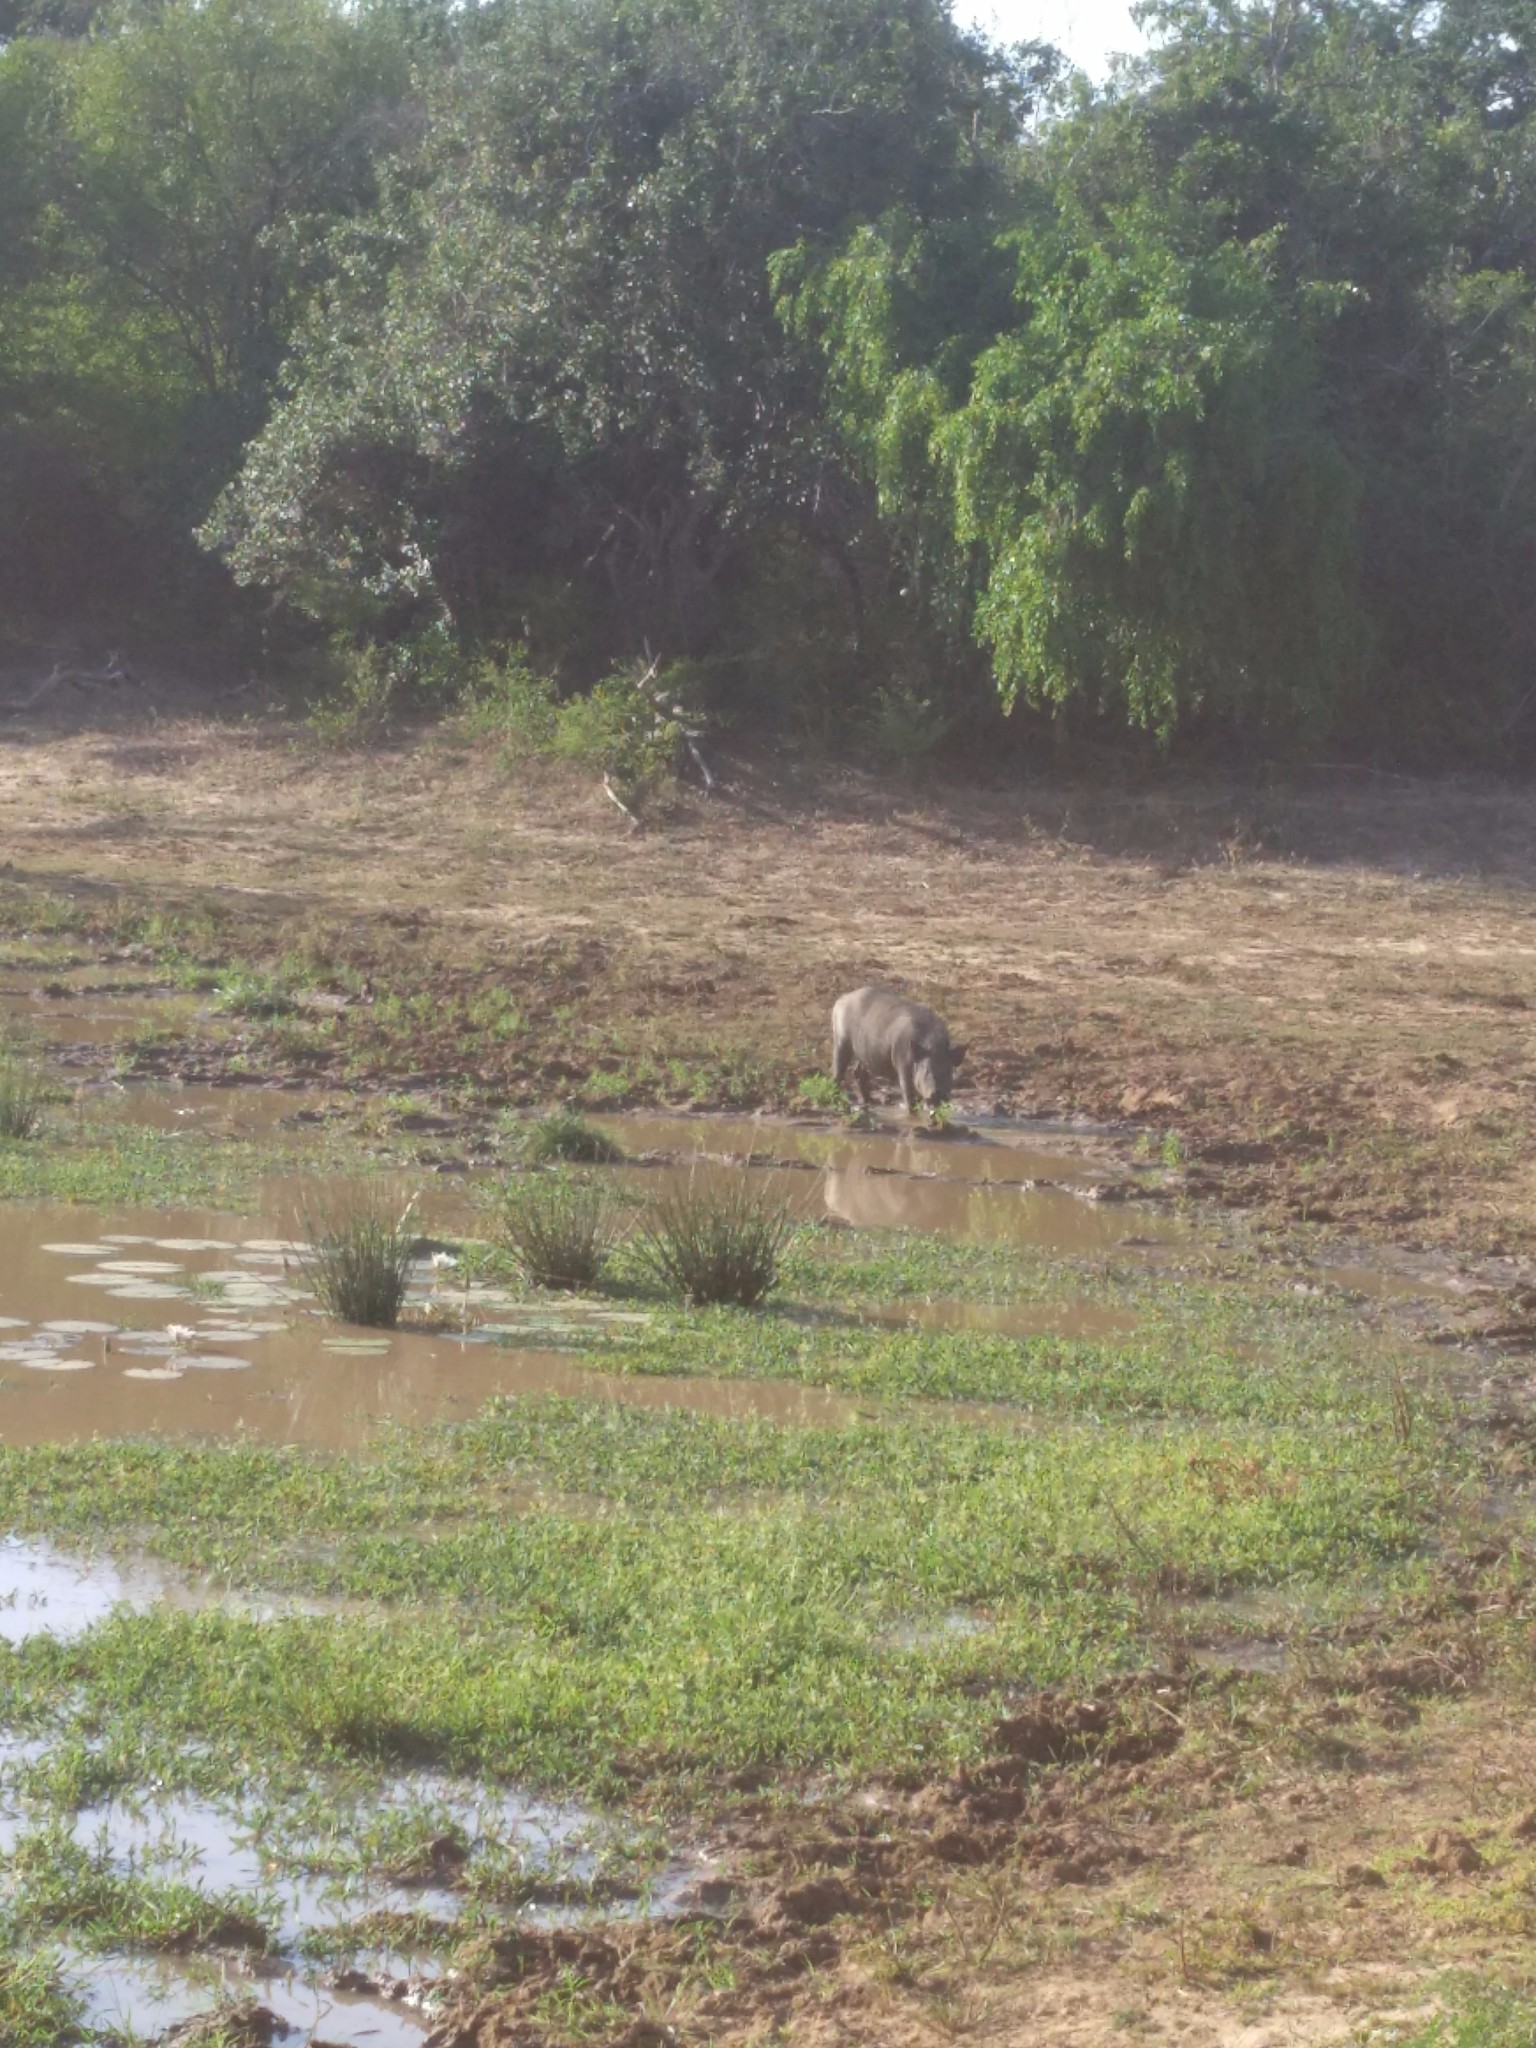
1324,992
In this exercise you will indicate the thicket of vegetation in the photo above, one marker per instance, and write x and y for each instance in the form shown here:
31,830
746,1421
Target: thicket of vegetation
886,378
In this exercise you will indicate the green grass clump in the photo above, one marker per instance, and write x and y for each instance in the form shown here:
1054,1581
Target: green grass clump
1487,2019
566,1135
718,1238
559,1228
35,2010
21,1097
249,993
359,1263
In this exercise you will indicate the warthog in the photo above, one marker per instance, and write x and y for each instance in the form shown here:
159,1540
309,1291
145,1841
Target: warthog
879,1036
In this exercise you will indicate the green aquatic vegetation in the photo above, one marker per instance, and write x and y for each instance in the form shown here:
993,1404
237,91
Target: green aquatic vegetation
558,1227
36,2011
358,1261
23,1095
577,1595
1144,1374
566,1135
716,1238
59,1883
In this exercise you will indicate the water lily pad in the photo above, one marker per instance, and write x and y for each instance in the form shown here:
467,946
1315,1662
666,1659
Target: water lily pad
153,1372
271,1247
14,1323
355,1343
77,1251
94,1279
212,1361
70,1329
139,1266
191,1244
118,1237
144,1290
57,1364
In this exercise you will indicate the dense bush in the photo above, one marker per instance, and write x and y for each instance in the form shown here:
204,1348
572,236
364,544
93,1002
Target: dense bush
889,380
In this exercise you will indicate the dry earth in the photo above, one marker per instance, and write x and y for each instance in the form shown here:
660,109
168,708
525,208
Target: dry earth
1325,991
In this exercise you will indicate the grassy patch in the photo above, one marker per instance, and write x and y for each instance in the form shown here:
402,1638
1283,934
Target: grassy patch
730,1594
22,1097
558,1228
1480,2018
566,1136
358,1261
35,2009
717,1238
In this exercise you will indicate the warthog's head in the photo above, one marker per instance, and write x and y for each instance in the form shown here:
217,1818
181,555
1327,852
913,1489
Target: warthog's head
933,1074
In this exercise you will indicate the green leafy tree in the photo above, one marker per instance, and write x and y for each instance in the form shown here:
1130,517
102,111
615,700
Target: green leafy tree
176,171
556,356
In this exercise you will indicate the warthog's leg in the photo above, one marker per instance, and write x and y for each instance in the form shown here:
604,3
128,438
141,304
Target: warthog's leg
904,1081
844,1064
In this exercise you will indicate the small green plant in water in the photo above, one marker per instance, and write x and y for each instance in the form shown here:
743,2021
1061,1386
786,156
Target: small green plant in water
558,1227
21,1097
566,1135
1172,1151
359,1262
718,1238
820,1091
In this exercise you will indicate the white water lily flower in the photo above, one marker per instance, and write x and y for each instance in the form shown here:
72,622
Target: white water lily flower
180,1333
440,1260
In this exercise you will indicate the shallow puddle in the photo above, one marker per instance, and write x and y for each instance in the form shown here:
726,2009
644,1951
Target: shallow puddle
191,1323
256,1863
48,1591
89,1015
143,1997
988,1188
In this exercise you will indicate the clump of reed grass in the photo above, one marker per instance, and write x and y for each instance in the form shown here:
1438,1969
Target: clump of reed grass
718,1238
559,1228
359,1261
22,1095
565,1135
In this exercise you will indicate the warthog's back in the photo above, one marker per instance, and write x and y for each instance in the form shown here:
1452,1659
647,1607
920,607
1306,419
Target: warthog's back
877,1024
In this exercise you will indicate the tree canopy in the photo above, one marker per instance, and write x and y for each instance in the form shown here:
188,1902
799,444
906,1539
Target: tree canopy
817,341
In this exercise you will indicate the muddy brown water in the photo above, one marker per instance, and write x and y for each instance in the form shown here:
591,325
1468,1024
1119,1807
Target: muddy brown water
191,1323
1000,1187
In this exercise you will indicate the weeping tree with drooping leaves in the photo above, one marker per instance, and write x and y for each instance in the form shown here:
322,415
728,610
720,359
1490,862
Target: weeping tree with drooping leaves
1228,429
1120,482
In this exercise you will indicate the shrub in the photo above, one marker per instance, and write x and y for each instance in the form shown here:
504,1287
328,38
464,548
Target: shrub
820,1091
566,1135
511,702
618,730
359,1262
718,1238
559,1229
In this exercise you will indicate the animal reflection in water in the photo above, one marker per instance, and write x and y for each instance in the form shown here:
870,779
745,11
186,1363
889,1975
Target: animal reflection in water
913,1197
